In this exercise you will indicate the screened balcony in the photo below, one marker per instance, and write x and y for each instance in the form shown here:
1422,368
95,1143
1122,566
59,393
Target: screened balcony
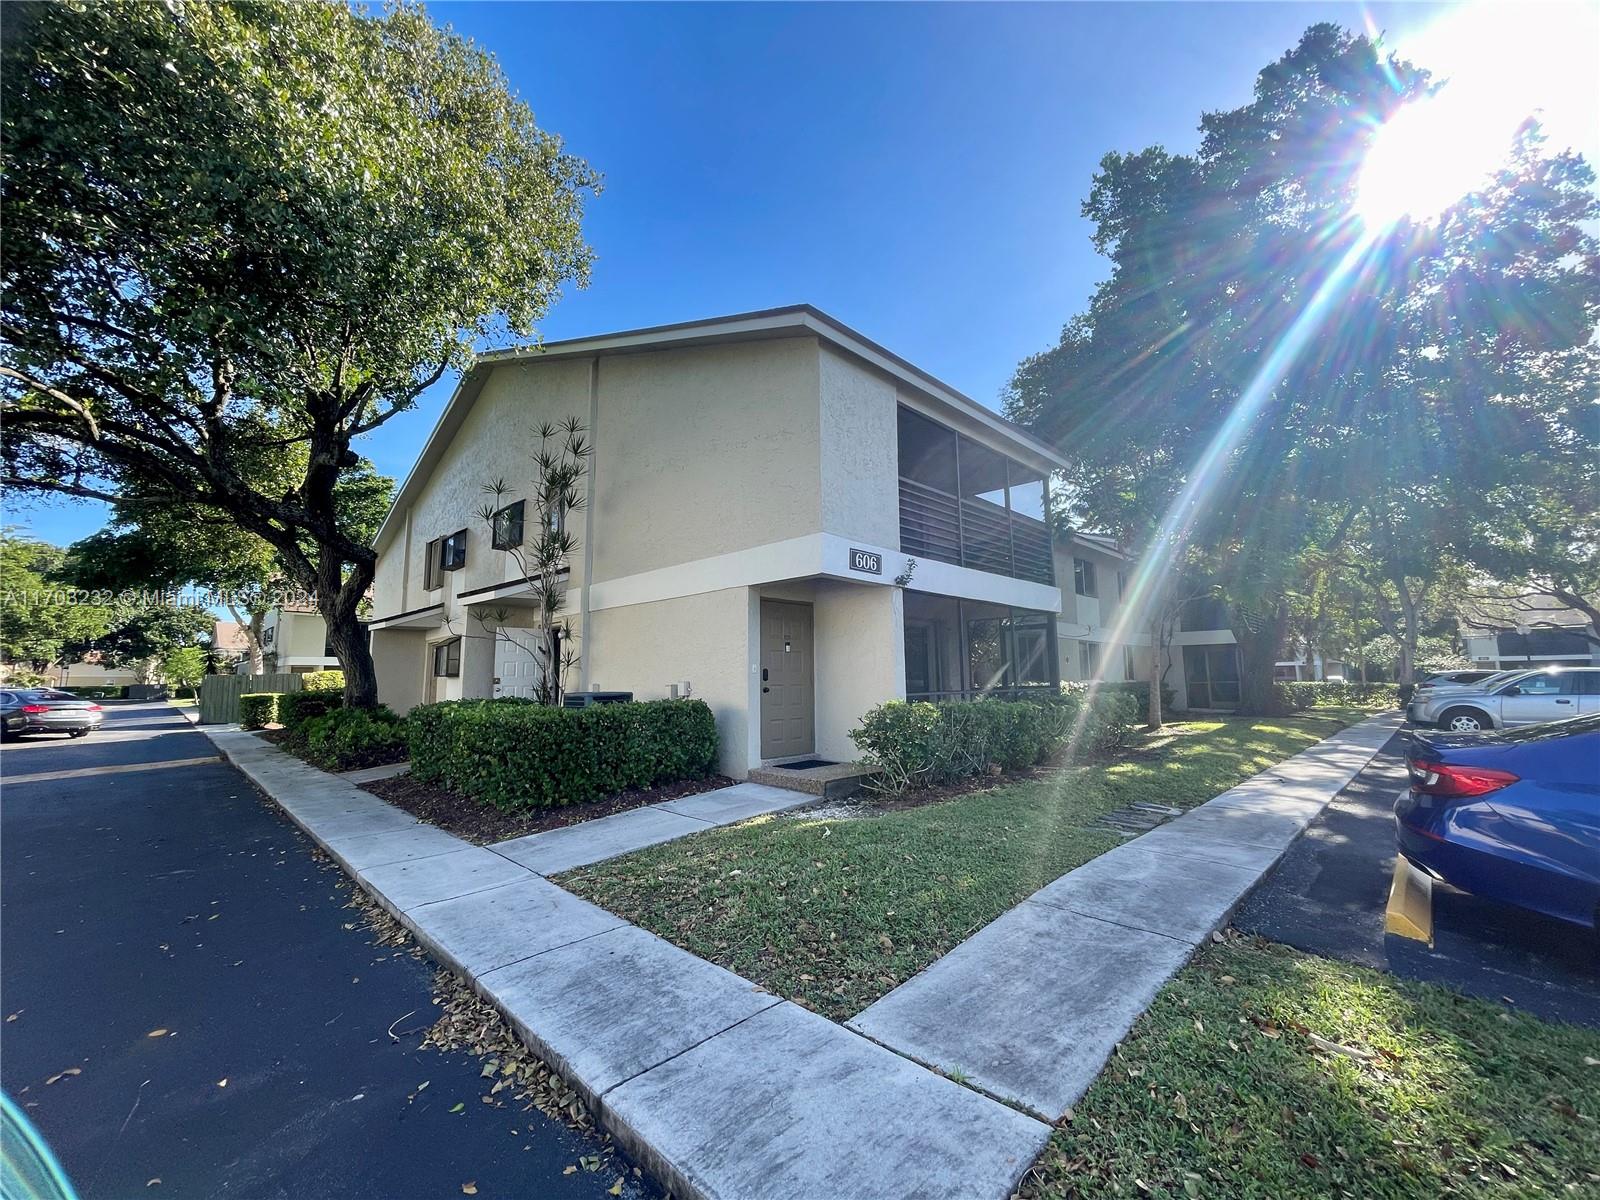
964,503
969,649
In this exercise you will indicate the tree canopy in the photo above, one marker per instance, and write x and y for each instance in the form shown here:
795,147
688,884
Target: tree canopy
241,236
1264,377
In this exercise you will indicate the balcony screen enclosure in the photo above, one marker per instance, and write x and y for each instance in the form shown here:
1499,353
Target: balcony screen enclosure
964,503
965,649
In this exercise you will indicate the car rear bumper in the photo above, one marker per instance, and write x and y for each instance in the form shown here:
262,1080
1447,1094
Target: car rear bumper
63,722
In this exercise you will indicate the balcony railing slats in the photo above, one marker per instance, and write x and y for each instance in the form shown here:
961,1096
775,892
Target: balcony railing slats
973,533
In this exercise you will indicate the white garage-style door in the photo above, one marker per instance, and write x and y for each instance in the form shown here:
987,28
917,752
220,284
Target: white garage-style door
516,671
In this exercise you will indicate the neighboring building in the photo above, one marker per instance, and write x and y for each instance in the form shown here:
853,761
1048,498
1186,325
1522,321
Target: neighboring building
759,485
1503,631
294,640
89,671
229,645
1095,576
1503,649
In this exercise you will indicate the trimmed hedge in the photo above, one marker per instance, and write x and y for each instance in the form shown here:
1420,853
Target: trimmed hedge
257,710
1139,689
526,755
1315,694
346,739
321,681
922,744
296,709
93,692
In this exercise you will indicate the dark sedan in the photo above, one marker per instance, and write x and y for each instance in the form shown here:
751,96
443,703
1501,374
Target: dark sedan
1512,816
42,712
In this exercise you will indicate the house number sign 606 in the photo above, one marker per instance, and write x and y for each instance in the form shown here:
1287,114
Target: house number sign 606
866,560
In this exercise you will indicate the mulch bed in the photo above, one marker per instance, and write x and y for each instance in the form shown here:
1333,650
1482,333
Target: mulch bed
482,823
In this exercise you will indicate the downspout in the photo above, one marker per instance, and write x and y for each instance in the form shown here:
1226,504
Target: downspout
588,527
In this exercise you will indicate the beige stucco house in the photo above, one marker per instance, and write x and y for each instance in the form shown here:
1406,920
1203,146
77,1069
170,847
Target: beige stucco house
294,641
782,517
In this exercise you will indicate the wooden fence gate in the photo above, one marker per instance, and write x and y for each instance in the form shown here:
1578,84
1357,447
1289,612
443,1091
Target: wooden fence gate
219,694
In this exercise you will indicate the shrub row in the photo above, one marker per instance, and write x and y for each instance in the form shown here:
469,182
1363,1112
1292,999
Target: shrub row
518,755
257,710
319,681
1139,689
921,744
1315,694
297,709
347,739
107,692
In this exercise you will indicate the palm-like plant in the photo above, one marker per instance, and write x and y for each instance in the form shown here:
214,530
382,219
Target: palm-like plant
542,552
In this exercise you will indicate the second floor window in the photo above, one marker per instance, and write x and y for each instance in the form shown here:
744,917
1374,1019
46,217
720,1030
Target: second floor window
1083,581
508,526
453,551
430,565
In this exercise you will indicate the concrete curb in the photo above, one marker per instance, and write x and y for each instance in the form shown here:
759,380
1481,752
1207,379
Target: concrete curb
722,1090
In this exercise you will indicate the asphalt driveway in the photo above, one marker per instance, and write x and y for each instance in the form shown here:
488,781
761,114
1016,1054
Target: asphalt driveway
1328,893
173,898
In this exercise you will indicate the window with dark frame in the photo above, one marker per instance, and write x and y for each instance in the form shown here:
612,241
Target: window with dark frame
1128,671
1088,659
447,659
430,566
507,526
1083,581
453,551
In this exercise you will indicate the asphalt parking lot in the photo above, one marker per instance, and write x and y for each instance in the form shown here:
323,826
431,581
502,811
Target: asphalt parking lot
190,1009
1328,894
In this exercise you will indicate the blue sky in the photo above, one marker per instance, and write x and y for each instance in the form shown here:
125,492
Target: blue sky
915,170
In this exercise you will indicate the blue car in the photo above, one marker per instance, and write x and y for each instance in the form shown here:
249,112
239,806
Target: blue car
1512,816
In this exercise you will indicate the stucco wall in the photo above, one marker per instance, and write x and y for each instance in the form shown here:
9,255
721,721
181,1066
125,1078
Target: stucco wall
860,451
860,660
400,658
704,451
496,441
642,648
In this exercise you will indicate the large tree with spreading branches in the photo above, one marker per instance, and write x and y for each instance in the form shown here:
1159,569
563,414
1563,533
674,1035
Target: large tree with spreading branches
240,236
1265,377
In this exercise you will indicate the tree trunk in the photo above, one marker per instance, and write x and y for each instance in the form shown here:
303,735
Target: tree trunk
340,605
1153,721
1406,668
1258,643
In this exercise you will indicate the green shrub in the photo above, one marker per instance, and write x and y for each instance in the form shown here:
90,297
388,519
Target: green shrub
296,709
257,710
1317,694
923,745
346,739
323,681
533,755
98,692
1139,689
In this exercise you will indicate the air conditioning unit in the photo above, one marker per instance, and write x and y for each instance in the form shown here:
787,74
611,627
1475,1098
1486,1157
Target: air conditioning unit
585,699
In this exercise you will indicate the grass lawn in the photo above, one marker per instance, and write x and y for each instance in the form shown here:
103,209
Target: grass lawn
1220,1090
834,913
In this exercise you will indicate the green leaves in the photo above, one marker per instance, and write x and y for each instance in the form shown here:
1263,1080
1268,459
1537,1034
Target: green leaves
515,753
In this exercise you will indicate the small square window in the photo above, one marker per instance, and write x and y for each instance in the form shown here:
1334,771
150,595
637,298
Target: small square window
447,659
1083,581
507,527
453,551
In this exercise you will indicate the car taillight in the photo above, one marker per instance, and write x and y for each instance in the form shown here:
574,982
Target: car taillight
35,708
94,708
1450,779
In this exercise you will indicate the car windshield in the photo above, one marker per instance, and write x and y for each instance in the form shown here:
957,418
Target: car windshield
1485,682
1551,729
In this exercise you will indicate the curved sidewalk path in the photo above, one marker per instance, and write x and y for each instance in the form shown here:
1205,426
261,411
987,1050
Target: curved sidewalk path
1030,1007
726,1091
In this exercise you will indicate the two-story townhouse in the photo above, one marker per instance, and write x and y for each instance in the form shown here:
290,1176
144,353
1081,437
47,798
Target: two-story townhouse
782,518
1100,638
294,640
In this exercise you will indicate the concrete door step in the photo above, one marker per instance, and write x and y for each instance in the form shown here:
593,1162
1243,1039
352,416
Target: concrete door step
834,781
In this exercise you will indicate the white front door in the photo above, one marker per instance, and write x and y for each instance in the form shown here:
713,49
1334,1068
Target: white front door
516,671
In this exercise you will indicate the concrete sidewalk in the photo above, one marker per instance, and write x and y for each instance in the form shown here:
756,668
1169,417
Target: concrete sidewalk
1030,1007
721,1088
